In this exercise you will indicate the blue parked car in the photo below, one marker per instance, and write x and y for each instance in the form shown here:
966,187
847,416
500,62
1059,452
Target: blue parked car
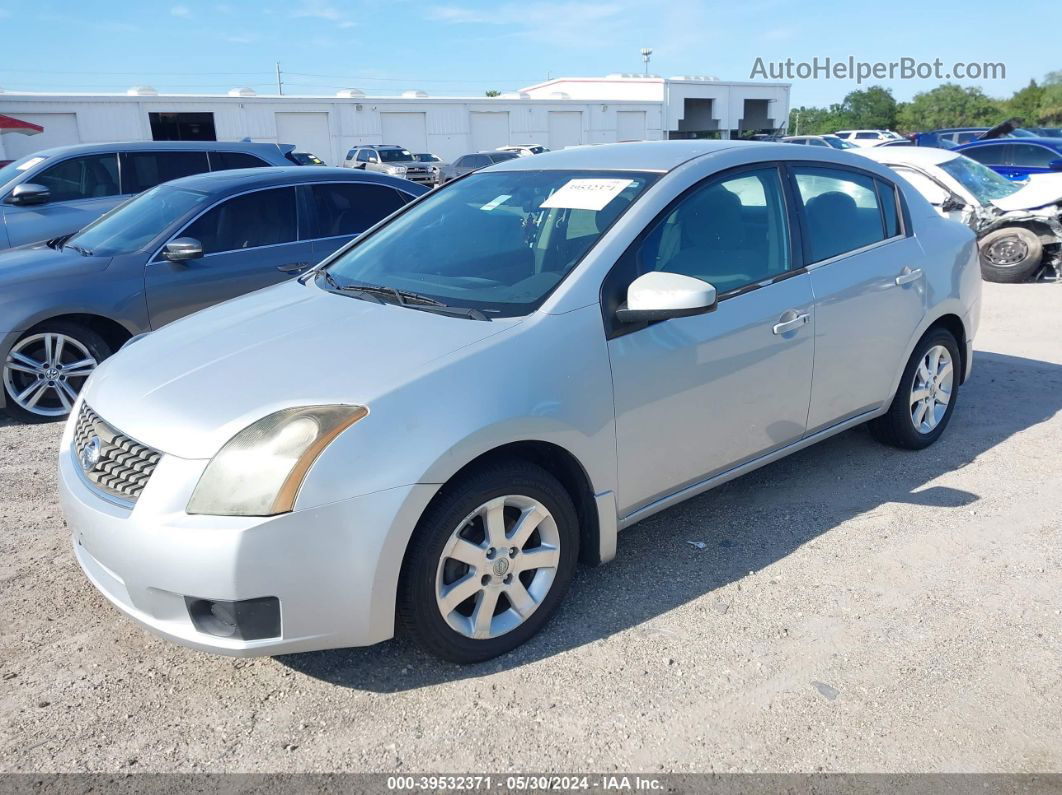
57,191
1017,159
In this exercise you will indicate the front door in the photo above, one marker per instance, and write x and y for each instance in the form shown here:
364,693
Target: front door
249,241
696,396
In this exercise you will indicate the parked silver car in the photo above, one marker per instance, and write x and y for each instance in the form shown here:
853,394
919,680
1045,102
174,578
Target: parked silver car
67,305
466,164
57,191
393,160
431,428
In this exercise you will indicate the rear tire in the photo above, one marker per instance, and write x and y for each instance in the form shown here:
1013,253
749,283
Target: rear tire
46,368
1010,255
926,397
489,562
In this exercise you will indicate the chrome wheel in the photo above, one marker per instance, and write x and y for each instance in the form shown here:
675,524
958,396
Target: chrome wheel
1007,252
43,373
497,567
931,389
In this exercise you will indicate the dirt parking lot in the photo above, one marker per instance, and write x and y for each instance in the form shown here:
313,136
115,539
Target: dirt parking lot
855,608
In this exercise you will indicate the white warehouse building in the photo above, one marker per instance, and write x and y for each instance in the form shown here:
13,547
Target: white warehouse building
567,111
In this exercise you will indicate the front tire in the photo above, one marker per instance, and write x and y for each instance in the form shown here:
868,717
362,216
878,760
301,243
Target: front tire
45,370
926,397
1010,255
489,562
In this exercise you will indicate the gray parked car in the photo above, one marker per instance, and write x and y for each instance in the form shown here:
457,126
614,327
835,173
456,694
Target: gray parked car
58,191
390,159
66,305
466,164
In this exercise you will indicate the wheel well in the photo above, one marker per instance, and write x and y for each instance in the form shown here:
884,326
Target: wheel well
954,324
112,332
566,468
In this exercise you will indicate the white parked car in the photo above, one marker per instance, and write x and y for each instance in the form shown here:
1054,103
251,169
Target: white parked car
1018,224
819,140
868,138
524,150
429,429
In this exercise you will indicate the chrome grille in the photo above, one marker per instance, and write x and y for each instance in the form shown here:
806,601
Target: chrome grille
124,465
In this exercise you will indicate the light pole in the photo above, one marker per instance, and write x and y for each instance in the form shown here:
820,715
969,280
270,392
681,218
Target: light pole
646,52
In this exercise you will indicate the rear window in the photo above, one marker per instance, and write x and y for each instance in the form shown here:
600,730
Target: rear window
143,170
223,161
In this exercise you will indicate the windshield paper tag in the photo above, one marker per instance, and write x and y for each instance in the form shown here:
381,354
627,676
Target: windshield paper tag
495,202
586,194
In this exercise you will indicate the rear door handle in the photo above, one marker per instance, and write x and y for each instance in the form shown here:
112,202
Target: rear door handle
909,275
293,267
786,326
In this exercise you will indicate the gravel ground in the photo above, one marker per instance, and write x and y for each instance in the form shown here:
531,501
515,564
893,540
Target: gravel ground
856,608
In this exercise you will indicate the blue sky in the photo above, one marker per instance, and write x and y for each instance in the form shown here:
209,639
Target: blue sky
466,46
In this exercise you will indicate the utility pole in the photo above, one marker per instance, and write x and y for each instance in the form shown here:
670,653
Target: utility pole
280,84
646,53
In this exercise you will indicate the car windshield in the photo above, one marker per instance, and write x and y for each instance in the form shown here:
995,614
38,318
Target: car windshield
984,183
132,225
838,143
394,155
498,241
500,157
427,158
16,167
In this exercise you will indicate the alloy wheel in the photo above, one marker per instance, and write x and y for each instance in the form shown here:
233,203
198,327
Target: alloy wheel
497,566
931,389
44,372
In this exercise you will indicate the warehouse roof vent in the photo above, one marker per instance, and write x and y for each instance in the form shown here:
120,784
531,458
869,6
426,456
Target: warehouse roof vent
242,92
560,95
142,91
514,95
415,93
351,93
699,78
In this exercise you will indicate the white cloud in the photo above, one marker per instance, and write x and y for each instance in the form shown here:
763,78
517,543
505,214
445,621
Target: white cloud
242,38
181,11
321,9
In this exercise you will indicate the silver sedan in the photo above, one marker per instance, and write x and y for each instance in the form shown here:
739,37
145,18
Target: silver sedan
430,430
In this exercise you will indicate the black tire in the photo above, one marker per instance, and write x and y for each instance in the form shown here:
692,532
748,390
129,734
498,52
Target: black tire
1027,253
418,611
896,427
89,339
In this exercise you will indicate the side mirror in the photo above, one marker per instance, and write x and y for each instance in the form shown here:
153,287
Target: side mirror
659,295
30,193
182,249
1056,164
951,204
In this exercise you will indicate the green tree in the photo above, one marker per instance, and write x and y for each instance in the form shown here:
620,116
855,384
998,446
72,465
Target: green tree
872,108
949,105
1050,110
1025,104
493,92
816,121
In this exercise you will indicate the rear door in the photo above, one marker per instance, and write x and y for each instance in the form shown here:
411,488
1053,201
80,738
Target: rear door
82,189
249,241
143,170
1026,159
343,210
867,274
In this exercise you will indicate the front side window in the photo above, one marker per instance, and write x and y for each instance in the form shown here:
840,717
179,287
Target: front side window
867,136
262,218
730,233
143,170
841,209
88,177
349,209
1031,155
498,242
990,154
132,225
476,161
363,155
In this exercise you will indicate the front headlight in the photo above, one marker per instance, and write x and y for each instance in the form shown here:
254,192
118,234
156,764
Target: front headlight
259,470
396,170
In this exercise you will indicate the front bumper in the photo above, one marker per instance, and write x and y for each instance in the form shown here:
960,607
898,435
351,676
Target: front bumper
334,568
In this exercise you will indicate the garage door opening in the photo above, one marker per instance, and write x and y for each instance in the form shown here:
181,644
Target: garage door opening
489,130
182,127
409,130
565,128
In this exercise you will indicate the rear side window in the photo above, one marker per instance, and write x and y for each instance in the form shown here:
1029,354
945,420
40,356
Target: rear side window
476,161
991,155
262,218
890,209
841,210
143,170
1031,155
88,177
223,161
866,136
349,209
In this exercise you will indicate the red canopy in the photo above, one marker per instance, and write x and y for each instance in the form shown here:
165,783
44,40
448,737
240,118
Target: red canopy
9,124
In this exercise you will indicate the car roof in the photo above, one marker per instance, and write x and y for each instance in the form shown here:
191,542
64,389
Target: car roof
155,146
918,155
1050,143
660,156
238,179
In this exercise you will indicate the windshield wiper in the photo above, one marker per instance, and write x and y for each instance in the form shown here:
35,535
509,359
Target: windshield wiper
405,298
84,252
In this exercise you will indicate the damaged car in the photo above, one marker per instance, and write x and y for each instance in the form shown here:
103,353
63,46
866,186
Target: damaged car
1018,225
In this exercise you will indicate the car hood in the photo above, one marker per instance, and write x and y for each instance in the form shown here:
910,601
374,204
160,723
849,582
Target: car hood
1040,190
38,261
189,387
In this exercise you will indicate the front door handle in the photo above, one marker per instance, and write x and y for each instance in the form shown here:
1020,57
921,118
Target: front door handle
908,275
293,267
785,326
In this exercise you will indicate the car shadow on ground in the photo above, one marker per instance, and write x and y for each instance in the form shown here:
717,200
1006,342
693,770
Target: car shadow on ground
745,525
